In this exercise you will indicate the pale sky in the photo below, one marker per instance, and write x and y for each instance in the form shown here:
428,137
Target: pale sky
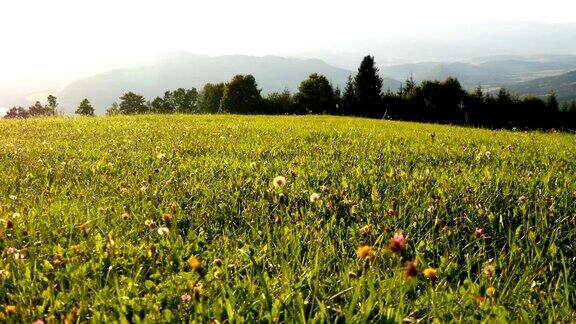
64,39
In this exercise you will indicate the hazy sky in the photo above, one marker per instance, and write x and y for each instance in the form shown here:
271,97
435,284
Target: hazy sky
63,39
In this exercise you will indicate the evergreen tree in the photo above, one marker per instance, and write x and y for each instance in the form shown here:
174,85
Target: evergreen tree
85,108
39,110
552,102
52,106
131,103
368,89
349,101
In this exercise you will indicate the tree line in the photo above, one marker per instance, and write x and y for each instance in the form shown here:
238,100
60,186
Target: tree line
445,102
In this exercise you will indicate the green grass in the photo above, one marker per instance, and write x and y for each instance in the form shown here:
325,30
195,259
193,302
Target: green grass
76,194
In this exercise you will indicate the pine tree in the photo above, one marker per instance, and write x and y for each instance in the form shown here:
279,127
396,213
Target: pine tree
131,103
52,106
85,108
349,100
552,102
368,89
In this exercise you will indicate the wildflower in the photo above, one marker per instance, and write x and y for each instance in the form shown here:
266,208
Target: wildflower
149,222
38,321
125,216
163,230
490,291
479,232
193,263
324,188
488,271
364,252
429,273
217,262
10,309
15,215
12,197
84,228
397,243
167,218
279,181
76,249
160,156
410,269
186,297
314,197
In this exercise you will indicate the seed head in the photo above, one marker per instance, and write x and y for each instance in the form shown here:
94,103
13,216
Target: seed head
314,197
163,230
279,181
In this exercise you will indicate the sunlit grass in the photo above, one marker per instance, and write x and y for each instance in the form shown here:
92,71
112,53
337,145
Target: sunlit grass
169,218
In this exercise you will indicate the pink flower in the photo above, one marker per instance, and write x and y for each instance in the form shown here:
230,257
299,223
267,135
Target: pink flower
397,243
186,297
479,232
38,321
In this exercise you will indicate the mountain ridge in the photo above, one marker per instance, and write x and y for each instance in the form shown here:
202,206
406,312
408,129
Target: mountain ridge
186,70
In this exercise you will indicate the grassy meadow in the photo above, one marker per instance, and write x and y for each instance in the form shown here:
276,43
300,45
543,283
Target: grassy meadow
284,219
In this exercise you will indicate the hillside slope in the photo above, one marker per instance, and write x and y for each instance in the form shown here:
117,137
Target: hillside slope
563,85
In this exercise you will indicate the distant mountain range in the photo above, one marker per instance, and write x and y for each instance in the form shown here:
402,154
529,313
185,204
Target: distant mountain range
489,71
564,86
186,70
521,74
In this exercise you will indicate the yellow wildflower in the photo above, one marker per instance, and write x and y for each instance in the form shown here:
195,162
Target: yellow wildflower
364,252
193,263
429,273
